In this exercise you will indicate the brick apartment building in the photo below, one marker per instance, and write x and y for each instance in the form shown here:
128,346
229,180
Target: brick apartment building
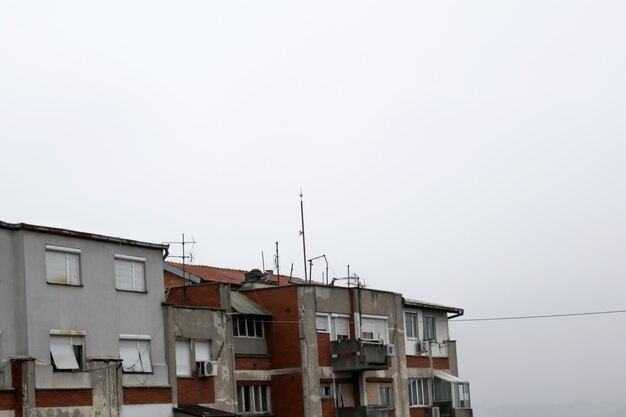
318,350
93,325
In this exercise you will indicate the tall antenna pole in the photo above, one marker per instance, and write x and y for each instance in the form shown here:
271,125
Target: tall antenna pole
277,264
302,232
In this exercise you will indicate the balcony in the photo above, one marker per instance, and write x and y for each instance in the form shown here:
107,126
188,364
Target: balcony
356,355
363,411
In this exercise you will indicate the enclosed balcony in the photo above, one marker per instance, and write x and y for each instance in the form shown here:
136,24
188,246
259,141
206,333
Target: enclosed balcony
363,411
351,355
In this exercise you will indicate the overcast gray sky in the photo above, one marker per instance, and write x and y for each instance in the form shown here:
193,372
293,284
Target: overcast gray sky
470,153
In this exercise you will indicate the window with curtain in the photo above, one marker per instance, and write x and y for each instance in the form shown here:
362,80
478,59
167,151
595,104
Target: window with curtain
410,324
429,328
418,392
254,399
183,358
339,328
374,329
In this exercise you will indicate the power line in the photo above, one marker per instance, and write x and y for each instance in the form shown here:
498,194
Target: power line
544,316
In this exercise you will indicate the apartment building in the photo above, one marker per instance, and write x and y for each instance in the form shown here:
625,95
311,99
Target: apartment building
319,350
81,325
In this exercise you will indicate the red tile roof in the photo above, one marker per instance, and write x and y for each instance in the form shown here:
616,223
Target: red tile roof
225,275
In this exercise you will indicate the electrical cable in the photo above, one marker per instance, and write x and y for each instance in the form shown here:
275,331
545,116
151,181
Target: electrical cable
542,316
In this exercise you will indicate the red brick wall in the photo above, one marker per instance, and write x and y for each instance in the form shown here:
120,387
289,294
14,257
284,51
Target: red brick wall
323,349
63,398
418,412
147,395
417,362
7,400
199,295
328,407
196,390
441,363
283,332
287,395
253,363
16,378
173,280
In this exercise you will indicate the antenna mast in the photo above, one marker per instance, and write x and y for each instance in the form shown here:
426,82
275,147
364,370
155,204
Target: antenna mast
302,233
184,256
277,263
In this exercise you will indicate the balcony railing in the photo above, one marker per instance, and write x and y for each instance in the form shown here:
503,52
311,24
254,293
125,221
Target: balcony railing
363,411
356,355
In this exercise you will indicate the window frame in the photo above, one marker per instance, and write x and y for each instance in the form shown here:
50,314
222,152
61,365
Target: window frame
133,260
258,322
429,324
256,395
324,316
334,317
326,386
70,253
373,320
139,341
75,339
388,396
414,333
180,359
457,392
419,386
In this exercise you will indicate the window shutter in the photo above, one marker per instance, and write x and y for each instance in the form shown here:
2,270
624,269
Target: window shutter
202,351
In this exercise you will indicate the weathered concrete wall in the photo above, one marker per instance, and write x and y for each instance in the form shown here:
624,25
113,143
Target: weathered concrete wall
203,324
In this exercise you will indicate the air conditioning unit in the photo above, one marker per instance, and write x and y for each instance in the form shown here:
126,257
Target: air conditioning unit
207,368
434,412
391,350
420,347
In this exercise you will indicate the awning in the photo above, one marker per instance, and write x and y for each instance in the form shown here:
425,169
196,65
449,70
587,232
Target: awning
200,411
448,377
242,304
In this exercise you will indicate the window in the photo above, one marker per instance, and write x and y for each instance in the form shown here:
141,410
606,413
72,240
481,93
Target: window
410,323
460,395
374,329
326,390
247,325
254,398
429,328
418,392
183,358
130,273
339,328
67,352
384,395
135,354
321,323
442,390
344,395
62,265
202,350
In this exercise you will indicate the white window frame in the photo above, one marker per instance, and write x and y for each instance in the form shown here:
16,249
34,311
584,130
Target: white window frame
373,319
413,333
385,392
429,324
334,317
237,330
73,279
255,395
418,392
143,363
183,358
138,278
461,395
322,318
199,350
63,353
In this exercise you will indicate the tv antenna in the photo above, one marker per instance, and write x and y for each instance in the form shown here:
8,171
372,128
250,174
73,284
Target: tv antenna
311,266
302,233
184,256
